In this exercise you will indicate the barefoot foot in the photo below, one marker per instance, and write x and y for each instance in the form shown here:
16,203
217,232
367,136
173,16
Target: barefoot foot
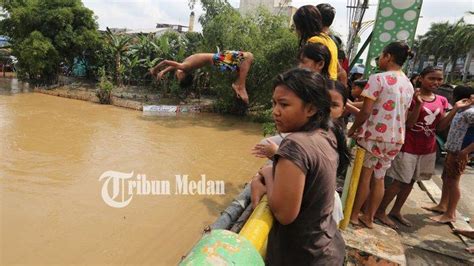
443,219
241,92
354,222
369,223
470,250
383,218
436,208
467,233
399,218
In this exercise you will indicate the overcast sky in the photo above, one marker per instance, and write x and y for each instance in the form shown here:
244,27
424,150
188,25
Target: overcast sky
143,14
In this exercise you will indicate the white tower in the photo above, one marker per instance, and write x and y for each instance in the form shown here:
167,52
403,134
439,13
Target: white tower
191,22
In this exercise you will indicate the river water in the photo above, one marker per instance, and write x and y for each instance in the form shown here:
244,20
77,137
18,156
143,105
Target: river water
53,151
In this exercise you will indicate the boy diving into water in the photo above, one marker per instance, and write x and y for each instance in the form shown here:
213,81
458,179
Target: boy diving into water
231,61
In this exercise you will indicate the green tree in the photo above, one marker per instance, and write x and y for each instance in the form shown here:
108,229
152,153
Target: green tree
140,49
36,53
447,41
460,41
469,55
118,44
61,29
194,40
433,41
267,36
212,8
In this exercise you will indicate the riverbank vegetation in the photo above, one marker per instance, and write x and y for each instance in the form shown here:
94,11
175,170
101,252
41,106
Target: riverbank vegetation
45,34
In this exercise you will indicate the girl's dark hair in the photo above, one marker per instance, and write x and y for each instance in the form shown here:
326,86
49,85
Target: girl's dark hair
339,87
361,83
462,92
429,69
413,77
317,52
308,22
328,13
400,52
312,88
341,54
339,132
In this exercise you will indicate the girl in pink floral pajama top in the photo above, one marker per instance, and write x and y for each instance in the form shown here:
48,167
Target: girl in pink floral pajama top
379,127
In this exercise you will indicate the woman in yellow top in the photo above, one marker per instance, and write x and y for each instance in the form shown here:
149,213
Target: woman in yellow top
309,27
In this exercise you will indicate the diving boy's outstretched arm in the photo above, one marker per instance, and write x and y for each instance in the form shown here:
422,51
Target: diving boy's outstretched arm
168,63
192,62
160,75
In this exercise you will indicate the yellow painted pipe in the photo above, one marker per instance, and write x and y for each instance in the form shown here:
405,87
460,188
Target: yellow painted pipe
258,226
358,162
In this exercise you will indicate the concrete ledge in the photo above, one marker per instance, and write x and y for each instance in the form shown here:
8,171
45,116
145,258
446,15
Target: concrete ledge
78,95
378,246
85,94
434,193
424,234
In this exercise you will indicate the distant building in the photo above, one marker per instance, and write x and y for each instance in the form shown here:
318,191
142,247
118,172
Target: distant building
116,30
159,30
176,27
276,7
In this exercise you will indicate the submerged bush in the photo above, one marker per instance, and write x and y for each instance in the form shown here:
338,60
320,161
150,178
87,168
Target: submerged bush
104,88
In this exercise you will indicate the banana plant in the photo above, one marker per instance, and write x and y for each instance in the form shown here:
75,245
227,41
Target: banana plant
119,44
131,64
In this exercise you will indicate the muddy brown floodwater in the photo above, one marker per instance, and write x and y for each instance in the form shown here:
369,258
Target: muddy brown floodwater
53,151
